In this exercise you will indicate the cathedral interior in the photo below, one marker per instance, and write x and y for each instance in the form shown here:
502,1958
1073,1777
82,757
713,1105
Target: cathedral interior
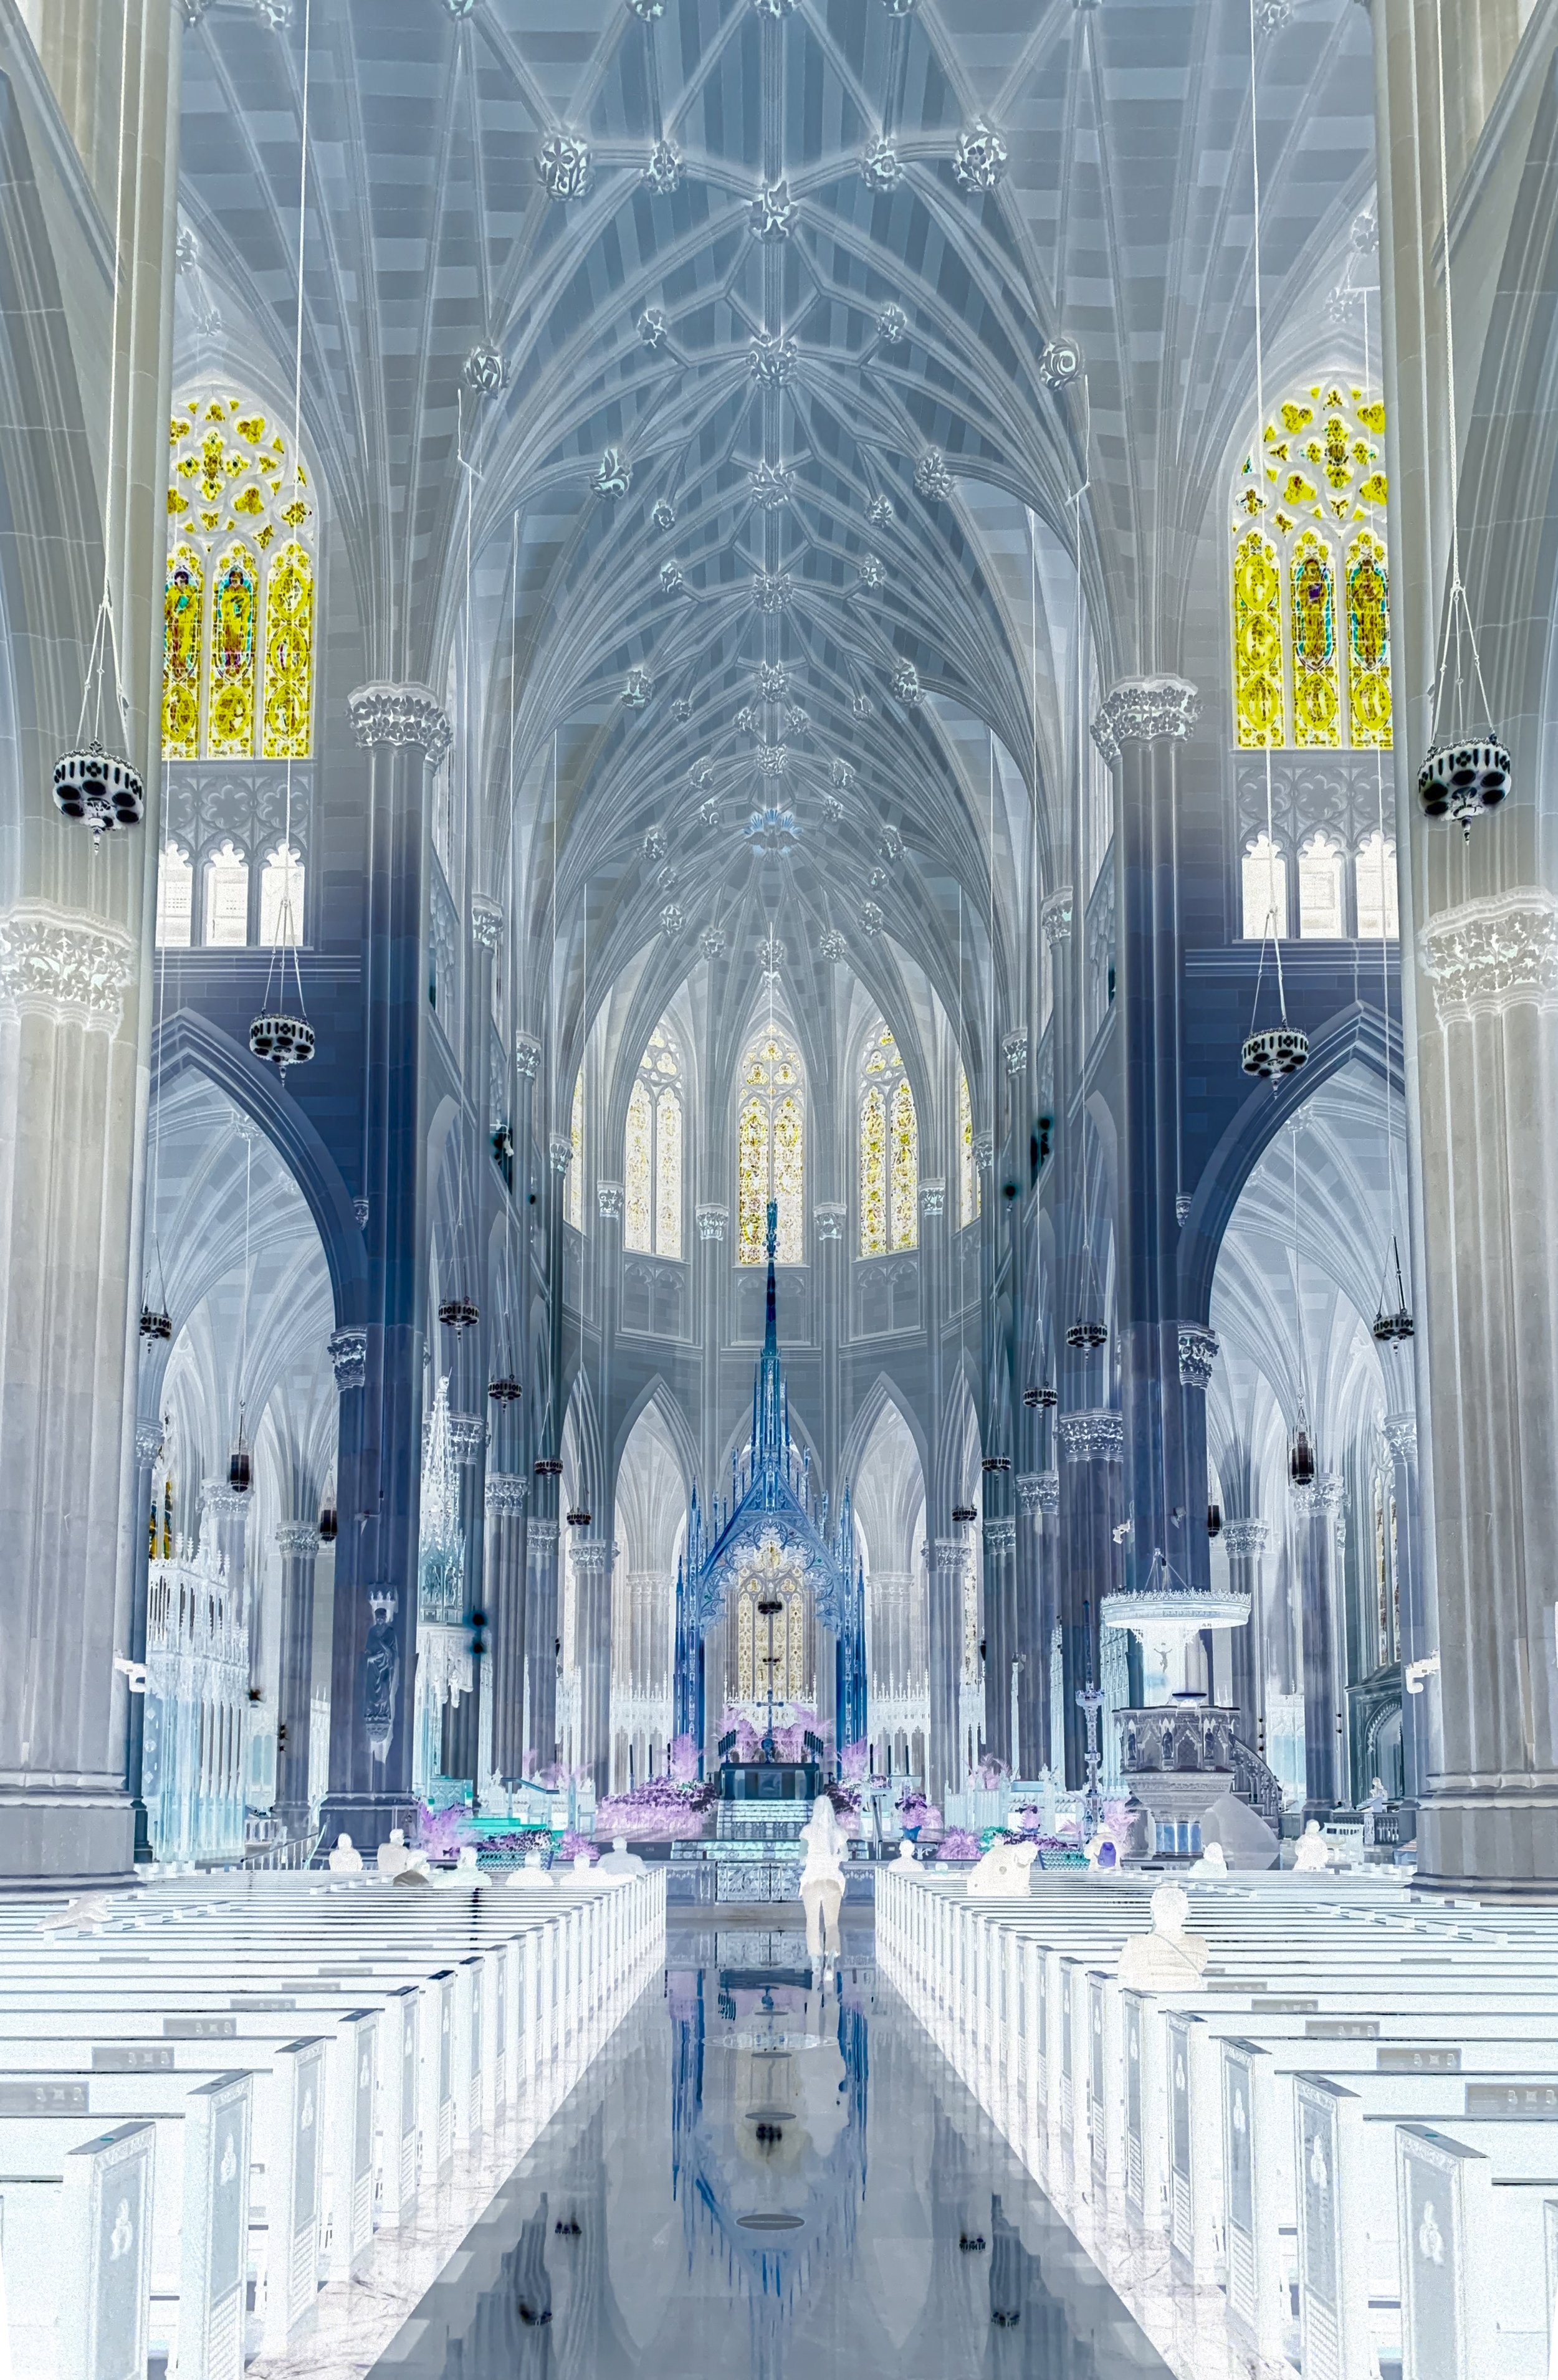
779,1026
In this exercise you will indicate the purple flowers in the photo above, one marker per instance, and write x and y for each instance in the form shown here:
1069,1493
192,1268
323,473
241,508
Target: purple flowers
661,1809
573,1845
957,1843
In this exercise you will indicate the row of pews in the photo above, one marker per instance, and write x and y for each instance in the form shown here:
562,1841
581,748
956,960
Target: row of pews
1347,2126
213,2099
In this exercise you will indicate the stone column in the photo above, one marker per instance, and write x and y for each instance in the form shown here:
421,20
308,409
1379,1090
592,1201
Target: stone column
1092,1444
148,1445
297,1544
405,734
1000,1601
541,1628
1039,1496
1246,1541
462,1723
948,1571
593,1561
1418,1750
1317,1516
506,1495
1141,730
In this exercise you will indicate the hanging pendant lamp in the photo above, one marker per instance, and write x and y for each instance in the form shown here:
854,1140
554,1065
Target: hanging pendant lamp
1398,1322
155,1322
329,1526
241,1465
458,1313
505,1391
1301,1466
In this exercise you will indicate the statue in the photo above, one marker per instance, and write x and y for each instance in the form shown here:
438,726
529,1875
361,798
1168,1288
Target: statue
1312,1854
531,1878
620,1861
380,1674
1003,1871
345,1859
1167,1959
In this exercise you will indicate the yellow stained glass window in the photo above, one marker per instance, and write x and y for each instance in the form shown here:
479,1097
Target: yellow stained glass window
968,1171
183,643
1369,670
289,653
906,1169
240,599
573,1201
874,1173
771,1151
668,1173
233,605
1317,701
1311,582
1257,641
638,1169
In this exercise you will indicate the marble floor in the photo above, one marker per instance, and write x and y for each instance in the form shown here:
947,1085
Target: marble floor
757,2176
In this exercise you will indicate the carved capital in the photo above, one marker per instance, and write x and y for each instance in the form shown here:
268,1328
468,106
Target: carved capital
984,1150
348,1350
467,1436
1055,916
1098,1435
64,966
486,920
397,715
542,1539
506,1495
952,1557
591,1555
217,1496
560,1152
1326,1494
1400,1434
830,1220
1487,955
1142,709
1246,1540
297,1540
1198,1353
608,1198
712,1223
1000,1538
1015,1050
527,1056
933,1197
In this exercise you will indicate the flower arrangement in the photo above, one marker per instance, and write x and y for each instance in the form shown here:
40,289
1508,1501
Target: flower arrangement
846,1799
991,1775
572,1846
957,1843
440,1833
661,1809
853,1759
683,1760
915,1813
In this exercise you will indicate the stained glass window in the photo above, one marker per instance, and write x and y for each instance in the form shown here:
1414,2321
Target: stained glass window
226,898
638,1171
906,1169
873,1174
968,1171
573,1195
1265,890
1310,585
889,1150
1319,890
1378,915
771,1151
668,1173
239,616
281,898
176,899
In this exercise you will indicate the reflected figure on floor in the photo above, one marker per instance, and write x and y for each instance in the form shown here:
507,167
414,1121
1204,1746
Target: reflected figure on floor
821,1879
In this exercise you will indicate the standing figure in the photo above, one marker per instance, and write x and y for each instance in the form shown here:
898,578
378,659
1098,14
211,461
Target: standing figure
821,1879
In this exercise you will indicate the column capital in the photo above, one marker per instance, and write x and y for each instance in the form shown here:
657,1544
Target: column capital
527,1056
348,1350
1039,1491
1144,711
591,1555
952,1557
984,1150
830,1219
1198,1353
486,920
65,965
560,1152
608,1200
1485,955
1400,1434
1098,1435
1326,1494
713,1221
298,1539
506,1495
217,1496
398,715
148,1441
933,1197
468,1435
1246,1540
1000,1537
543,1536
1015,1050
1055,916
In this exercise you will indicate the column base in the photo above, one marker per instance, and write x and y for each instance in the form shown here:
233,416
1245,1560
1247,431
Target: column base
1493,1843
367,1817
57,1836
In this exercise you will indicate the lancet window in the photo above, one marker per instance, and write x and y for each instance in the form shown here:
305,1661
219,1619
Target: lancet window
770,1149
1310,575
652,1159
889,1148
573,1194
238,609
968,1170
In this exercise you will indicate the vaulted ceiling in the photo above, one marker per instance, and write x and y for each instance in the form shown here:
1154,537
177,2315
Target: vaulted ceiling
703,389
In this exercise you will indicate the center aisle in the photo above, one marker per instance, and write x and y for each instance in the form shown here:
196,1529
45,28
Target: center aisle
756,2177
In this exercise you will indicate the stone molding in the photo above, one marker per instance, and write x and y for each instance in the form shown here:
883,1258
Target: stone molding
712,1223
1246,1540
486,920
1143,710
542,1537
299,1540
1000,1538
1055,916
508,1494
65,965
1488,956
1198,1353
1400,1434
148,1441
398,715
467,1436
1098,1435
348,1350
527,1056
608,1198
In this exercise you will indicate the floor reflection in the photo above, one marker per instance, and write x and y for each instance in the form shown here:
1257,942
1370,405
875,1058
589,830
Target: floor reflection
772,2175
